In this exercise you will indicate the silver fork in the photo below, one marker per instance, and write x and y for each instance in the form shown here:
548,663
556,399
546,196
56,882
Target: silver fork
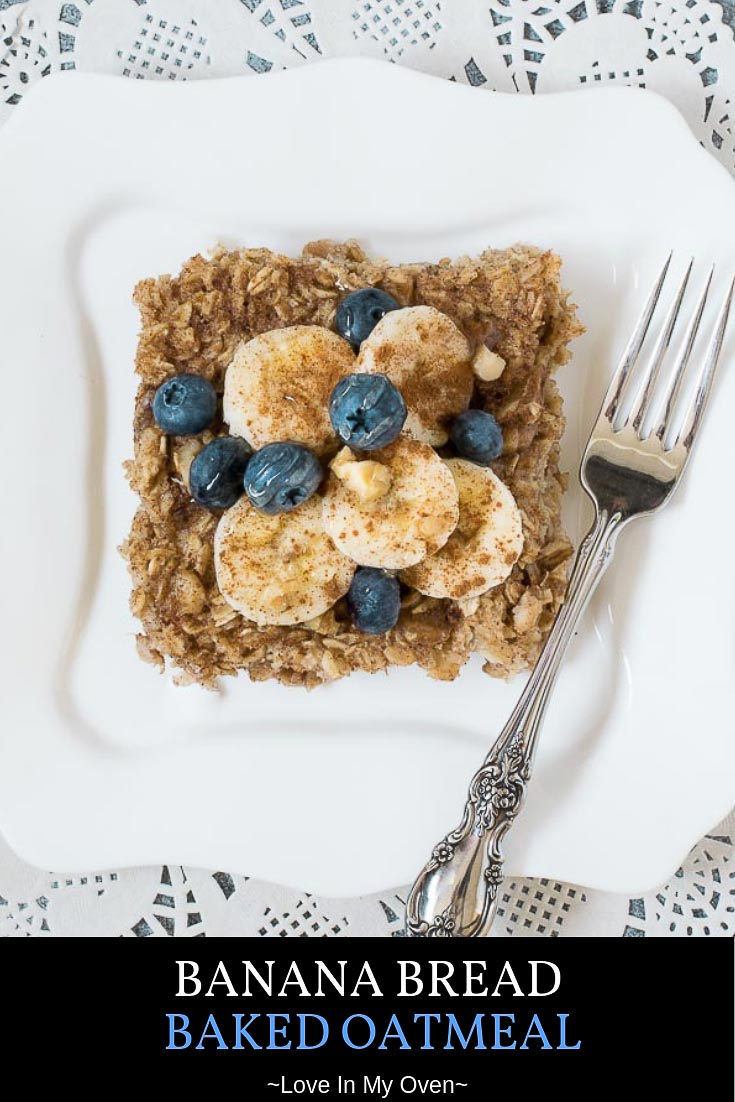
629,470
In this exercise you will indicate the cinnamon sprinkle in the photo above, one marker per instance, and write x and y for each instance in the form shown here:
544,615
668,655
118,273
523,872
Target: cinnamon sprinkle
193,321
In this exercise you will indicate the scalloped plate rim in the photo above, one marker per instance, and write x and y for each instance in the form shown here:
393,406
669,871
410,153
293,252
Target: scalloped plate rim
35,840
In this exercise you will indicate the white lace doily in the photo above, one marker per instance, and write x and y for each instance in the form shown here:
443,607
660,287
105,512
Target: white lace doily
683,49
680,48
172,901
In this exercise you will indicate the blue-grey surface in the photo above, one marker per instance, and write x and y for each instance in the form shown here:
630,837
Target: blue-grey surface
728,11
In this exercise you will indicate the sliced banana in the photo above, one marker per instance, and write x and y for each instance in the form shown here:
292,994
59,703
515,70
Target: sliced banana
486,543
413,519
279,569
426,356
278,385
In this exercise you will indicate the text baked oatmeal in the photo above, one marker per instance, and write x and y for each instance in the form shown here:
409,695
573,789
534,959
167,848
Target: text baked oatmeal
346,464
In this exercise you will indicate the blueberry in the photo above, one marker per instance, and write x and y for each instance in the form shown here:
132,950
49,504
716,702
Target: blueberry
216,473
477,436
184,405
281,476
374,600
359,313
367,411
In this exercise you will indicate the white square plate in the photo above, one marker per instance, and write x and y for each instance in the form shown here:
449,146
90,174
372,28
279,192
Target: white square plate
345,789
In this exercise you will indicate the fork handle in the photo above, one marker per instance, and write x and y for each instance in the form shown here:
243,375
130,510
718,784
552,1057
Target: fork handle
456,892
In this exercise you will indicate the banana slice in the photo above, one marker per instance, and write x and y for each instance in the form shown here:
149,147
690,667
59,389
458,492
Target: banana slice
486,543
278,385
426,356
279,569
412,519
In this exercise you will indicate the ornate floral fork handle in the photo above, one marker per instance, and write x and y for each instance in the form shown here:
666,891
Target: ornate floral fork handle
628,470
455,894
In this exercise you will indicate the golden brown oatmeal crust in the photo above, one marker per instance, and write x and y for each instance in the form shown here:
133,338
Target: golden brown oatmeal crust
193,322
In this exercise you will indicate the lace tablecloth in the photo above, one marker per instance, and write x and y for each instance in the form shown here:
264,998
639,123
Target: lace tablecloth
683,49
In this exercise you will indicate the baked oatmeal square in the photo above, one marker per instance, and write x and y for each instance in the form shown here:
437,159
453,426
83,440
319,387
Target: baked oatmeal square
516,322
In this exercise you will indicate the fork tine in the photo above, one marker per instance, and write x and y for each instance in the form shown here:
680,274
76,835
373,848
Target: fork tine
614,391
677,375
641,404
704,388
